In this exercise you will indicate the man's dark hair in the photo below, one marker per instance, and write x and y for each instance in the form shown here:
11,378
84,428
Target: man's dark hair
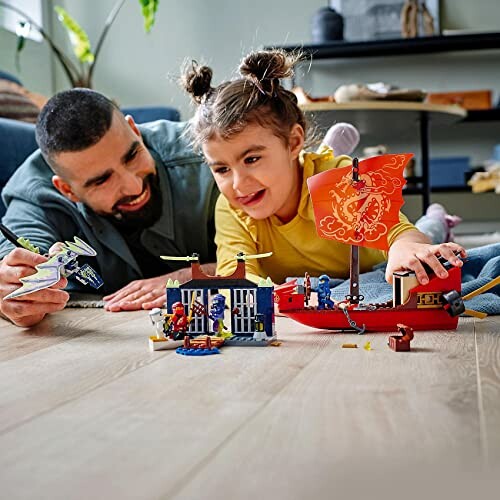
73,120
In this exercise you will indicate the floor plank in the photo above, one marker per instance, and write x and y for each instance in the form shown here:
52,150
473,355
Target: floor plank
16,342
487,334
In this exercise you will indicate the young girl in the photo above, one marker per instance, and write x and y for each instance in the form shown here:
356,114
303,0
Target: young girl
252,133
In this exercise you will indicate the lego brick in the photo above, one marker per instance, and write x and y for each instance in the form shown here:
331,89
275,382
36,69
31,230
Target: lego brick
196,351
248,341
156,344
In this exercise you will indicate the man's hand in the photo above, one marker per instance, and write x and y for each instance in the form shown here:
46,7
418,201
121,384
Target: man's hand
147,293
139,294
411,250
30,309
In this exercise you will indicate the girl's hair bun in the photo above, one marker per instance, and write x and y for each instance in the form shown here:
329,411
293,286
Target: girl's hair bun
197,80
266,67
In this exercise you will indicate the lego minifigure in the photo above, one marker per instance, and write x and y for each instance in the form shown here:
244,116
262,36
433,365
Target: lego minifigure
177,323
157,319
217,313
259,333
324,300
165,337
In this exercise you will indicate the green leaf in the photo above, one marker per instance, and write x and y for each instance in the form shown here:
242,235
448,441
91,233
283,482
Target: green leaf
79,39
149,8
20,44
22,32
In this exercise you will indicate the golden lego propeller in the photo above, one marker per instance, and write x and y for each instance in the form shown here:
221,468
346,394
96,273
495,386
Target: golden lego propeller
188,258
243,256
195,257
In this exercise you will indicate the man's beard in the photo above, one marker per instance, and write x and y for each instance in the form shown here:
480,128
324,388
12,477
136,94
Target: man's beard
144,217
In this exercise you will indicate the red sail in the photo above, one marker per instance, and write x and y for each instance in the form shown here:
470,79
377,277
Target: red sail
360,212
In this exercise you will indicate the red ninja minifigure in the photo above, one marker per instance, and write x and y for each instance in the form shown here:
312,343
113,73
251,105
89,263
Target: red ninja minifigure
178,322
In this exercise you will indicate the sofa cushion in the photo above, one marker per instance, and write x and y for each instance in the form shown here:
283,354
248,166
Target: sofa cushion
144,114
17,142
16,104
8,76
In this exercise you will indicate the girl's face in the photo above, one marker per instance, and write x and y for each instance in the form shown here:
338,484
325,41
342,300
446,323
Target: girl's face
257,172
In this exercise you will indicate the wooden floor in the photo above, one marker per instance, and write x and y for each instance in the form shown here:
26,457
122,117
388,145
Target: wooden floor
87,411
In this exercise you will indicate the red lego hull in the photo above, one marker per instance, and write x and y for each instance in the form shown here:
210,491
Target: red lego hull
379,320
422,310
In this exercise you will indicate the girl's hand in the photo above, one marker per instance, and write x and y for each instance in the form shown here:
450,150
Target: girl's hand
406,254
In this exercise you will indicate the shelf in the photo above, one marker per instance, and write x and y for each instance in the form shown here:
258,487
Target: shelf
391,116
443,189
414,186
399,46
386,105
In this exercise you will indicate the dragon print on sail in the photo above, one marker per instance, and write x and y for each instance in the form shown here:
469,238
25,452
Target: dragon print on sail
361,212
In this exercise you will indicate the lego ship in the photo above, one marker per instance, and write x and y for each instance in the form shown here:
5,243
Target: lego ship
434,306
358,205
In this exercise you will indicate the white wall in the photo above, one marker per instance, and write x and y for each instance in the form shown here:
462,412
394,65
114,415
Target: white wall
35,61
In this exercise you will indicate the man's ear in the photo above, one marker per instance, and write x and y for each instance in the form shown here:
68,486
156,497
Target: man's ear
133,125
64,188
296,140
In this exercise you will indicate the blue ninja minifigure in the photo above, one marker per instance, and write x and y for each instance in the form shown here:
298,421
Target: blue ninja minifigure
324,300
217,313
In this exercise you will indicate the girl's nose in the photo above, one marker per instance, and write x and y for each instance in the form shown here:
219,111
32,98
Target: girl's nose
239,180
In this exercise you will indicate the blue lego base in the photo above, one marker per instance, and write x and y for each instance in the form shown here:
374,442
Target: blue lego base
248,341
196,352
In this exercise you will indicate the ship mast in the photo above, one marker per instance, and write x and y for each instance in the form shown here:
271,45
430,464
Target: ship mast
354,296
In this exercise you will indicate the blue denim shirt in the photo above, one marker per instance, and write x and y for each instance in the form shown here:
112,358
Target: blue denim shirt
36,210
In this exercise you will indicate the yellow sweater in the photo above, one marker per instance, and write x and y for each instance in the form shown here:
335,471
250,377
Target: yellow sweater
296,246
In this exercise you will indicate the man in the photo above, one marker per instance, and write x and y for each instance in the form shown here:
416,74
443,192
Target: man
132,192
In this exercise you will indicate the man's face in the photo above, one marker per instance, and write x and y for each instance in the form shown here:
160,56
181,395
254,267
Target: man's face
116,177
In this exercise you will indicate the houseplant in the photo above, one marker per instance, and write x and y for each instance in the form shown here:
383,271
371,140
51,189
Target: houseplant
79,73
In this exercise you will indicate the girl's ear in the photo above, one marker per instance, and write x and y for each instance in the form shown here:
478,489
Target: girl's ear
296,140
64,188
